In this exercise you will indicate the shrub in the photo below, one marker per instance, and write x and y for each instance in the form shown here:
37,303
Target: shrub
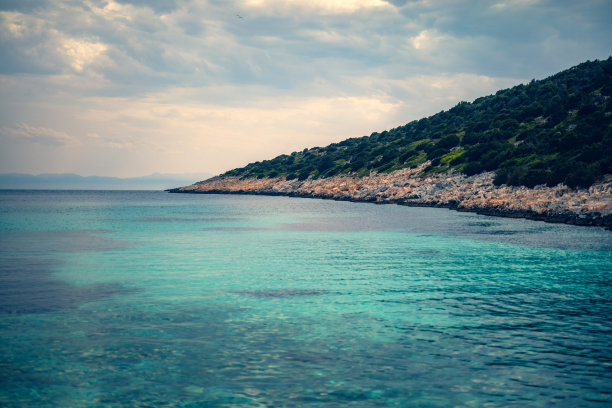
473,168
448,141
581,176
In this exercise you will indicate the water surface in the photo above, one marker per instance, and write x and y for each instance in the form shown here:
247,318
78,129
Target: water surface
156,299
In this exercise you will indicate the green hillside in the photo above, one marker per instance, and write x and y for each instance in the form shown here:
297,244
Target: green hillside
554,130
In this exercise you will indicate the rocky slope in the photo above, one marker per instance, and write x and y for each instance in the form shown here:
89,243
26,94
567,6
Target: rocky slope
476,193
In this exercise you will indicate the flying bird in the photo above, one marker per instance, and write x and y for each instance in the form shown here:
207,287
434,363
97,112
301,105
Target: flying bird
239,16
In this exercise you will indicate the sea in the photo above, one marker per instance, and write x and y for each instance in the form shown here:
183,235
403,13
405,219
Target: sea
152,299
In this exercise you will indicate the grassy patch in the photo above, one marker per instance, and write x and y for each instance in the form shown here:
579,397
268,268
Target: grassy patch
363,173
416,160
452,155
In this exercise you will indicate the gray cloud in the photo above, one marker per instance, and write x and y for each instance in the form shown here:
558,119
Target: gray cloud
159,6
171,43
21,5
521,38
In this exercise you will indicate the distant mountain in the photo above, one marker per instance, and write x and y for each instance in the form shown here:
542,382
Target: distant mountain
76,182
551,131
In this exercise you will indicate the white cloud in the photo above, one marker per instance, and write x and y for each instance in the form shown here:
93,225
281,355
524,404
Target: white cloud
37,134
508,4
321,6
82,53
427,40
112,10
110,142
15,23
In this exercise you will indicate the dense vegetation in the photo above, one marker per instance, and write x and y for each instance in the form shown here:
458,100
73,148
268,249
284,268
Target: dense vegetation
556,130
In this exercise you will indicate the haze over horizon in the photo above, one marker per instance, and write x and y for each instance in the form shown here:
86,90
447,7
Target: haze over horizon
127,88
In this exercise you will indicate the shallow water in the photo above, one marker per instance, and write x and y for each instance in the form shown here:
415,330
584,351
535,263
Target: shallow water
156,299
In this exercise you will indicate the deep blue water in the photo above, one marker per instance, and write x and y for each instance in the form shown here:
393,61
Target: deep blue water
155,299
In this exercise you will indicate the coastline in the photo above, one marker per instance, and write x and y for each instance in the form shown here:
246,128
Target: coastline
558,204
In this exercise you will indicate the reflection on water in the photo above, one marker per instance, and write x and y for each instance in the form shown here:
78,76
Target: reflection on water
27,284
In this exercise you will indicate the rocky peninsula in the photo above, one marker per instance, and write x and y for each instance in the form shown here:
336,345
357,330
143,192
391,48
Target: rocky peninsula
477,193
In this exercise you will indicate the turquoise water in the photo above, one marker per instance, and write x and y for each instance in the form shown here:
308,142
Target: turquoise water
155,299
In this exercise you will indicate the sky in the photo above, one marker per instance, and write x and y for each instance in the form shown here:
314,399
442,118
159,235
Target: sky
127,88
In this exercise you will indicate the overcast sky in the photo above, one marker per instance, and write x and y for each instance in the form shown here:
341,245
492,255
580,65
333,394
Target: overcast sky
133,87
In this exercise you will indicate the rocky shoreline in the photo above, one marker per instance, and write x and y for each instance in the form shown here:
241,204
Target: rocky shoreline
559,204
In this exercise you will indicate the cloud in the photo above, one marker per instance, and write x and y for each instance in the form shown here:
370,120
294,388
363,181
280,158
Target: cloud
39,135
20,5
426,39
32,45
185,85
503,5
320,6
82,53
212,129
111,142
139,46
159,6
